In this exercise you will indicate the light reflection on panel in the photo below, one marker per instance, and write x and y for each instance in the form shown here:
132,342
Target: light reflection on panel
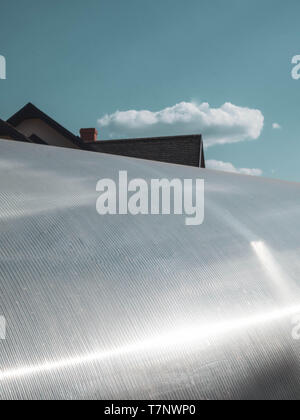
144,306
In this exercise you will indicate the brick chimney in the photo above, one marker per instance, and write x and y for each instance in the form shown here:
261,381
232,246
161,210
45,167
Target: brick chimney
88,135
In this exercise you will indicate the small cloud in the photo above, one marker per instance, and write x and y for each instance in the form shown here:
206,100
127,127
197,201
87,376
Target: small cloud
276,126
218,165
227,124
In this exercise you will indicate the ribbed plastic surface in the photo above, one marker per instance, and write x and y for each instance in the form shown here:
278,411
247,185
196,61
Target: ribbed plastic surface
144,306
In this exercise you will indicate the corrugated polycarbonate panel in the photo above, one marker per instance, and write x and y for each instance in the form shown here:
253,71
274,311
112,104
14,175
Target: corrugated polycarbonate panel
144,307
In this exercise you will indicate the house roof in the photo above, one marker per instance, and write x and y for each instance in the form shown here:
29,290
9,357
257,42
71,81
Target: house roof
182,150
7,130
30,111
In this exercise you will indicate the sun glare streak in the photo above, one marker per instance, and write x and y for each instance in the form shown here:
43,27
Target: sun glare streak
174,341
280,281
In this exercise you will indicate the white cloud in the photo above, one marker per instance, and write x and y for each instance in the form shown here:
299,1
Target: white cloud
228,167
227,124
276,126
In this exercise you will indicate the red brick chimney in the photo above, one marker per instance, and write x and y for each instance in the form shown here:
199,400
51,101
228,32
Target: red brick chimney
88,135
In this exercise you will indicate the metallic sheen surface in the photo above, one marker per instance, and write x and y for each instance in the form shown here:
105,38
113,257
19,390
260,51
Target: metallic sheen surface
144,307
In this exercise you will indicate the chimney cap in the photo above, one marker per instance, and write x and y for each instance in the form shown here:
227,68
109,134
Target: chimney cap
88,135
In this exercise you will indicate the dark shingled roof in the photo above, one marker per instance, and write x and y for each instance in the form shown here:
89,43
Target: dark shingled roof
182,150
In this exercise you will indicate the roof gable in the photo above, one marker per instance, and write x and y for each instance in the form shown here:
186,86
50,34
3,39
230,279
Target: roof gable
30,111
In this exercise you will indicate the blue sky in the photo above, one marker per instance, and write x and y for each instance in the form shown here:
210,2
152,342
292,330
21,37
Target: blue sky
81,60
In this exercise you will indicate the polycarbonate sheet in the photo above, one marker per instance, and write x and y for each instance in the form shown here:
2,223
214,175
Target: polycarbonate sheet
144,307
